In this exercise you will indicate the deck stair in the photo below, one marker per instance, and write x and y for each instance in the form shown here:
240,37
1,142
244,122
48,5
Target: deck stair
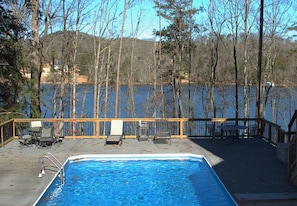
54,165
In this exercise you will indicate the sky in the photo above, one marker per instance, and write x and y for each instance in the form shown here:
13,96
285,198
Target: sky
150,21
282,10
94,16
143,9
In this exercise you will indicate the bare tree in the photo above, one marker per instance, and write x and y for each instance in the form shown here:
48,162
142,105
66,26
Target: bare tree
158,56
49,9
103,24
245,61
65,56
216,21
80,6
35,109
277,20
116,107
234,21
131,100
259,76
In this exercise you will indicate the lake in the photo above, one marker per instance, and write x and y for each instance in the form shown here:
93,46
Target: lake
281,102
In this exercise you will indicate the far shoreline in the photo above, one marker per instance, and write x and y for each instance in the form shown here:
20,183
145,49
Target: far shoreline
83,80
151,84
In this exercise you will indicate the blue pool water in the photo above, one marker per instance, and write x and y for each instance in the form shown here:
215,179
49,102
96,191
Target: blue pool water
137,181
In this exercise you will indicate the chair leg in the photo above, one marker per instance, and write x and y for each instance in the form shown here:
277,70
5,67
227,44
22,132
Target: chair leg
25,142
22,142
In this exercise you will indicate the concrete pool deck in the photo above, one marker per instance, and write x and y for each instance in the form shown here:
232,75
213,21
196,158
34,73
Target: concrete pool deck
249,169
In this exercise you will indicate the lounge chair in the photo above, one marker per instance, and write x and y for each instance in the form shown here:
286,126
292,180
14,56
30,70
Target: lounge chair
46,138
162,132
24,139
116,134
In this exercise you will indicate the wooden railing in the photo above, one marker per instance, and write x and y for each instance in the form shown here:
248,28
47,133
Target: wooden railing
179,127
292,149
273,133
6,132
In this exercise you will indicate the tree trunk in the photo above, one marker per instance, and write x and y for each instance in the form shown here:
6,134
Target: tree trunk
131,100
116,109
259,102
246,92
35,110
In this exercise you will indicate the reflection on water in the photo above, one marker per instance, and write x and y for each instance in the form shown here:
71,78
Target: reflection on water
281,102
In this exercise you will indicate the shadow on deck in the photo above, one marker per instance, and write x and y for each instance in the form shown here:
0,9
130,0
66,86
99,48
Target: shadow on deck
251,171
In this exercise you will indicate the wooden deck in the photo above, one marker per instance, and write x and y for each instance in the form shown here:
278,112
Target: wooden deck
249,169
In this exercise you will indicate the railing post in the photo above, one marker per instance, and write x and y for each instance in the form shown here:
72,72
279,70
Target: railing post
13,129
2,136
269,133
97,130
181,128
280,136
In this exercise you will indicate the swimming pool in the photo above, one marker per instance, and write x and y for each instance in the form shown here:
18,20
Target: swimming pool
171,179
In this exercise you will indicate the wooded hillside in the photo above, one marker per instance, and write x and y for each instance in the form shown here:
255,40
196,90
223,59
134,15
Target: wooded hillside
282,72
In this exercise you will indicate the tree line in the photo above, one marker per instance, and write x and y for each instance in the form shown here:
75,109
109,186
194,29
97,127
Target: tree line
214,44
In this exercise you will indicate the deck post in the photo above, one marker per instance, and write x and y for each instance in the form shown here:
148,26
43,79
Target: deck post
181,127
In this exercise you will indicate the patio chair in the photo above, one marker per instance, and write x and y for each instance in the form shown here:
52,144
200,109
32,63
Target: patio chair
162,132
214,131
143,128
46,138
116,134
34,130
24,139
36,124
